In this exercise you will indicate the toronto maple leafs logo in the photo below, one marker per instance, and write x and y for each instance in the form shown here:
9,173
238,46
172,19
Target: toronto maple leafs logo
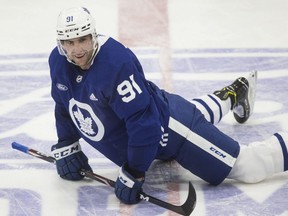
86,120
85,123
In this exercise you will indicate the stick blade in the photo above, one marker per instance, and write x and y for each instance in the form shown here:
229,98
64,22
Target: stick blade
190,203
185,209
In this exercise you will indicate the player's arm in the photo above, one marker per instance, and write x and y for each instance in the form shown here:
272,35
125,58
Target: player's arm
69,157
134,104
66,130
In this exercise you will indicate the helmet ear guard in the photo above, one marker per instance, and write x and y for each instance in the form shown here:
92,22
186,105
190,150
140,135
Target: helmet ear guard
61,50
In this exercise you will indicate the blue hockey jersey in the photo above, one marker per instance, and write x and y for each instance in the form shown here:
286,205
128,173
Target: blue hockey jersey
111,105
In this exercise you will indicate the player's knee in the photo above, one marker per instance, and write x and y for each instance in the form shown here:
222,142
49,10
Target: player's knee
250,167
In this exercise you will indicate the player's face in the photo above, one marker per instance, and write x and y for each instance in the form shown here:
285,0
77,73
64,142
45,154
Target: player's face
79,50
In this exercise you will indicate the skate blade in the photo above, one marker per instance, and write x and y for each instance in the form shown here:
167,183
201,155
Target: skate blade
252,80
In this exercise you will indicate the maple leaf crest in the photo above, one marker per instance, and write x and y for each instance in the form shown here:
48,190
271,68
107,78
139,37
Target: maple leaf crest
84,123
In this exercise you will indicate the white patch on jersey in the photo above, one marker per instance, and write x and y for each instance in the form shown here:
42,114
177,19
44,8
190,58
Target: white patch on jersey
92,97
164,138
79,78
84,124
61,87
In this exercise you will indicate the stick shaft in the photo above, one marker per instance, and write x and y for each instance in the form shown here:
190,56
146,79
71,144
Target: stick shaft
183,210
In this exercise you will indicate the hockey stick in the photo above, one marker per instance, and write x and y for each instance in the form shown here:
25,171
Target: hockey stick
185,209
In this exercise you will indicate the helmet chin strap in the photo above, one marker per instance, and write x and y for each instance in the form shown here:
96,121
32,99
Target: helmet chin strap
95,51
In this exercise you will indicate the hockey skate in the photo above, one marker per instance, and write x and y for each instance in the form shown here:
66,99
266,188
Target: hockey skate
242,94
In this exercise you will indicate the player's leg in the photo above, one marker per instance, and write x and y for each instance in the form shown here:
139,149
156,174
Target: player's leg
260,160
212,107
201,147
239,97
209,157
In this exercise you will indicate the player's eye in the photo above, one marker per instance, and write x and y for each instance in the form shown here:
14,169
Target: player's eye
82,39
68,43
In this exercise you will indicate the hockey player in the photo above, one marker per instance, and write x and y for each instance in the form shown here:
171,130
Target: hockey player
102,96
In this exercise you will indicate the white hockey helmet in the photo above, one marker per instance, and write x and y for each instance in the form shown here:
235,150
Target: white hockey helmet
75,22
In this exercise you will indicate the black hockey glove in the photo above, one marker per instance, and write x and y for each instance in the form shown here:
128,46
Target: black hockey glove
129,185
70,160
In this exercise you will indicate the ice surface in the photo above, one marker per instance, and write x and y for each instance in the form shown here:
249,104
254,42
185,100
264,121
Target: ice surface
188,47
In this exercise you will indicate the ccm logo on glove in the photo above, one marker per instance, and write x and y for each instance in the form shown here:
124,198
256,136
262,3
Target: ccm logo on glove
125,180
66,151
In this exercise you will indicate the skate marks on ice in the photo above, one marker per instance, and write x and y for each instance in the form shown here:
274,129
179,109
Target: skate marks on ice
26,116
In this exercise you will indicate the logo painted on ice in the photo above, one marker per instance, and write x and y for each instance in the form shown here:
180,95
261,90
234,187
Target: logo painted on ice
85,123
